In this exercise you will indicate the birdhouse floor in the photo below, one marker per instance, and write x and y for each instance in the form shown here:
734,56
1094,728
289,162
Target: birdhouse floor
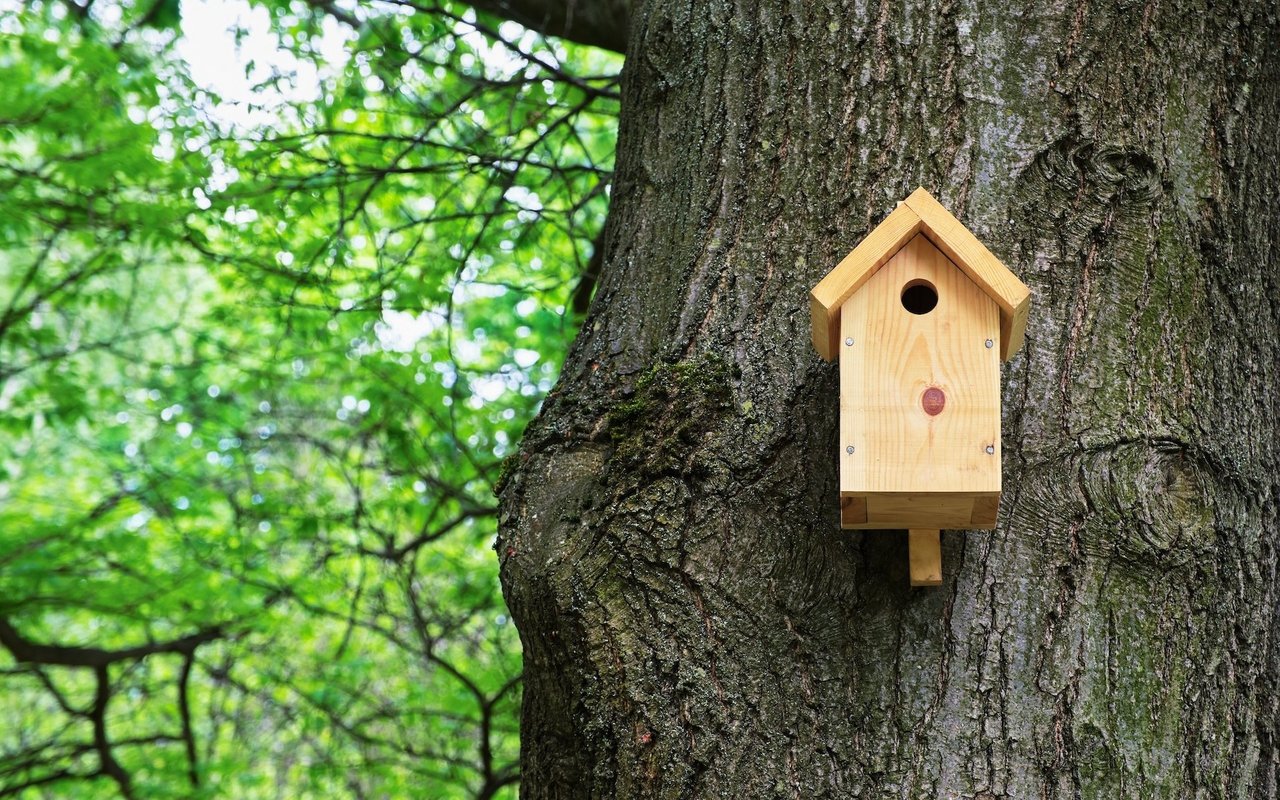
948,511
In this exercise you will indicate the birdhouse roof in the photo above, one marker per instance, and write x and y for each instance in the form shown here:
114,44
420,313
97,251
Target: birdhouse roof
919,213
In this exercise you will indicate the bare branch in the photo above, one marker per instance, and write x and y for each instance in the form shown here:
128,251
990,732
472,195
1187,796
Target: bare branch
599,23
107,760
28,652
184,709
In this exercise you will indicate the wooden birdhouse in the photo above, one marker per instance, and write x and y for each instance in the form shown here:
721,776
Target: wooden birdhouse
920,315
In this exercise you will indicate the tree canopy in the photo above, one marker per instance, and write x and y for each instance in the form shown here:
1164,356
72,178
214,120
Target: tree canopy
261,362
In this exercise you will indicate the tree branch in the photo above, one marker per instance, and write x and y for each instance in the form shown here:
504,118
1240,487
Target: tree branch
80,12
586,288
599,23
184,710
16,789
107,760
331,8
26,651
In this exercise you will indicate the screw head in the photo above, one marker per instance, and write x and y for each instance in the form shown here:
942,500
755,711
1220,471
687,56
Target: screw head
990,344
849,449
848,342
991,449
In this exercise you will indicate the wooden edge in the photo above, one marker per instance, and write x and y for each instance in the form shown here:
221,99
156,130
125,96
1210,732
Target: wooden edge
957,524
1013,328
847,277
871,492
980,264
924,551
982,516
853,511
824,329
985,510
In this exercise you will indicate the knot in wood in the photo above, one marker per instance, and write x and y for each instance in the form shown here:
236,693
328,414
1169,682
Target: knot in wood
934,400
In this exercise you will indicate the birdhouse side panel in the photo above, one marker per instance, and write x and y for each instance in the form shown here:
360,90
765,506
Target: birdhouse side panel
919,380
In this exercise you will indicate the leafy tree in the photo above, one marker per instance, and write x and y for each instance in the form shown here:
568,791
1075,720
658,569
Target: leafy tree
257,381
301,603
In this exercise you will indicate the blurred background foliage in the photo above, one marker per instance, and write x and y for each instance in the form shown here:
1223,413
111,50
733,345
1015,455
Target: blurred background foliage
261,358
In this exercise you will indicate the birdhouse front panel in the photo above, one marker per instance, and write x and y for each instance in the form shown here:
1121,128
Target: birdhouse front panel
919,396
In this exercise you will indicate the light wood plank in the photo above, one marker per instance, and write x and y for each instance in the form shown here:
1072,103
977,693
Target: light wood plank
896,356
913,511
1013,330
852,272
983,268
888,511
924,549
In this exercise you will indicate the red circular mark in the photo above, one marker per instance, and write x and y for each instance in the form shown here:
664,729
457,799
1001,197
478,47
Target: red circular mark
933,401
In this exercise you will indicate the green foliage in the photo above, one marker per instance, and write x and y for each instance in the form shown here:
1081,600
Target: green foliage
256,385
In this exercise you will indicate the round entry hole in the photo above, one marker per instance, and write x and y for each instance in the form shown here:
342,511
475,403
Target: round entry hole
919,296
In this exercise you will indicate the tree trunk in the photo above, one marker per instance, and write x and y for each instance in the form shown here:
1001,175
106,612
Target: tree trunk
696,625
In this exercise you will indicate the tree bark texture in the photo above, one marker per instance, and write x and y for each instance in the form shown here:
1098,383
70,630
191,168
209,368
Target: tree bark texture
694,622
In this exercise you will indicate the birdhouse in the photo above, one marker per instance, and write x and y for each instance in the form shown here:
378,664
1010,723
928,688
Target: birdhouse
920,315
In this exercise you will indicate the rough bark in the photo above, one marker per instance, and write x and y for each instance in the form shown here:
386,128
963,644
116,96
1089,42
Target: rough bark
694,623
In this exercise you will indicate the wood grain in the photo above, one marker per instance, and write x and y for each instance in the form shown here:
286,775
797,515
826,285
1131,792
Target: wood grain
894,358
925,553
983,268
853,511
985,510
853,271
897,511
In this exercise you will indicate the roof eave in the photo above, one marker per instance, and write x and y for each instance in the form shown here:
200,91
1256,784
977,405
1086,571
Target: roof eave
919,213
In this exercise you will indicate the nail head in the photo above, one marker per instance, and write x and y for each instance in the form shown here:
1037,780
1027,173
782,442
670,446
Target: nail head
990,344
848,342
991,449
849,449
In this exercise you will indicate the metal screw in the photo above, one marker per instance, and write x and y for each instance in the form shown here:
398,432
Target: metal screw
991,449
990,344
848,342
849,449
